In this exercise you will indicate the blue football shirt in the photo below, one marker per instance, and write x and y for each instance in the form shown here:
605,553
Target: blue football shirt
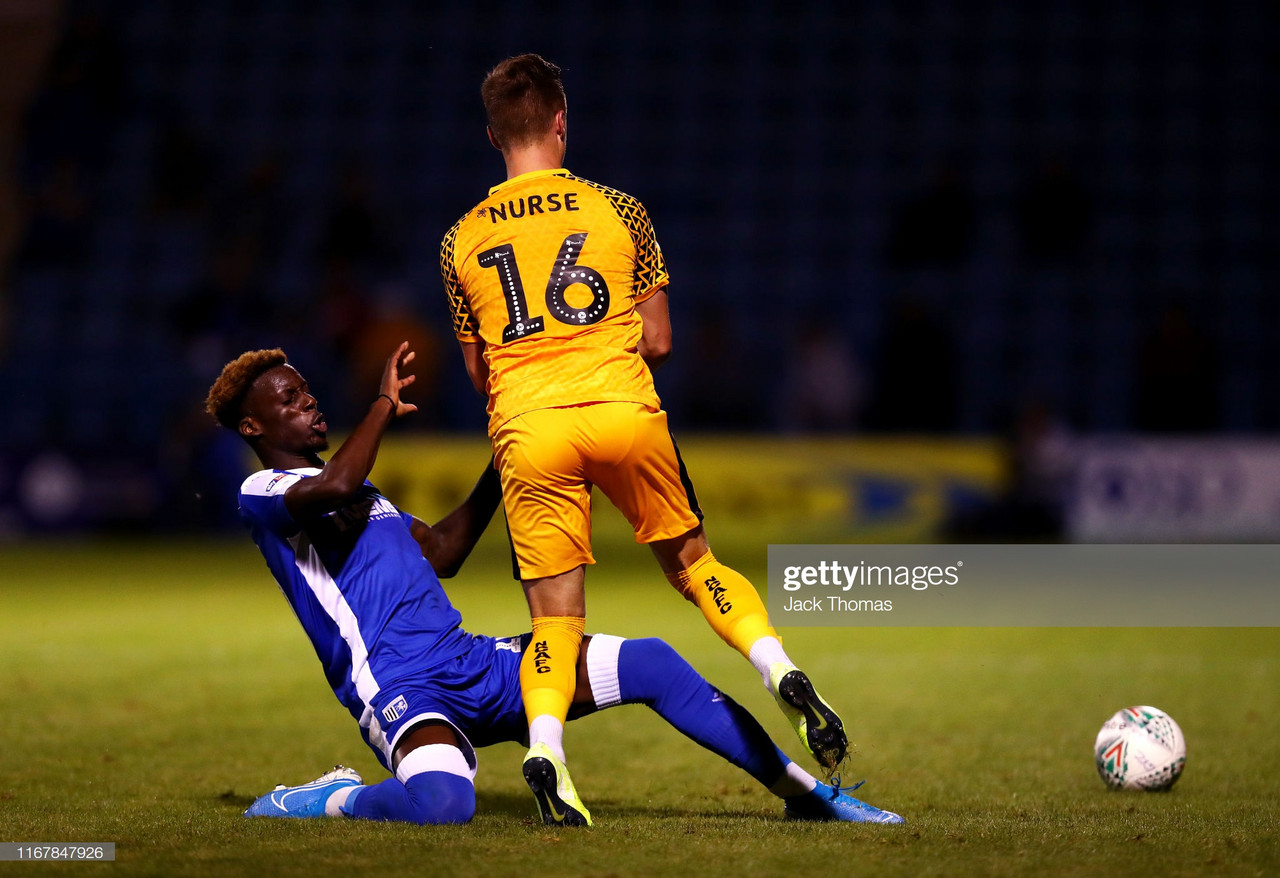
371,604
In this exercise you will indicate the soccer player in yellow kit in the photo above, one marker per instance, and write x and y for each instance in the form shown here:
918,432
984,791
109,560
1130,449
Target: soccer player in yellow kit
557,288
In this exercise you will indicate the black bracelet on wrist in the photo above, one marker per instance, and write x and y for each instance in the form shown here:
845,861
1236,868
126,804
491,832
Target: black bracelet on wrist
394,407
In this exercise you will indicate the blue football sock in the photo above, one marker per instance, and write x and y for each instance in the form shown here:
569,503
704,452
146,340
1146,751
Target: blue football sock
430,797
651,672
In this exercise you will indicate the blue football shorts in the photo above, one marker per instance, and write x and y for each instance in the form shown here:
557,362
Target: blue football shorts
477,693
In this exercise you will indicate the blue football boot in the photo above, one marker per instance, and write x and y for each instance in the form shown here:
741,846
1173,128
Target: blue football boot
828,803
307,800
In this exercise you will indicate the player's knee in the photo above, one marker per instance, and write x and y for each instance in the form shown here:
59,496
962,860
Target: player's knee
652,651
649,667
683,583
437,779
686,560
440,798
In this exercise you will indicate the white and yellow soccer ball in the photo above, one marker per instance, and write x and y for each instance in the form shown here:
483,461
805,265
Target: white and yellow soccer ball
1140,748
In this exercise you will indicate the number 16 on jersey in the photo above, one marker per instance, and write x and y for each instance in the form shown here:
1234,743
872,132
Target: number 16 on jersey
565,272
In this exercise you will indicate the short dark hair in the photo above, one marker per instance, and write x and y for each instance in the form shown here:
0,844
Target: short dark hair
227,395
521,97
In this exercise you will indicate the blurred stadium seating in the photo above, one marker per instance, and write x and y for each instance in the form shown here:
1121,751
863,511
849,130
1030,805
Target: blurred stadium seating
1042,183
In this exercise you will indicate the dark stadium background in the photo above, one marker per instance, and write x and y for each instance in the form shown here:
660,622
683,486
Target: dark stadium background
972,219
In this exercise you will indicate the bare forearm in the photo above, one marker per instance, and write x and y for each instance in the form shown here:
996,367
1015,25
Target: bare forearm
477,366
653,358
449,542
655,338
352,463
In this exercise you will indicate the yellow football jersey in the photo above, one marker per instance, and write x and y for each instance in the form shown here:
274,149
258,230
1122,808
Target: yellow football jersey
547,271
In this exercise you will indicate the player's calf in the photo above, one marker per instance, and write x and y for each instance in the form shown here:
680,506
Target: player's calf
432,798
433,785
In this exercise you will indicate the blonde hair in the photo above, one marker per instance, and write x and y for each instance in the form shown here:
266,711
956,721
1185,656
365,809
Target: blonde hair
226,396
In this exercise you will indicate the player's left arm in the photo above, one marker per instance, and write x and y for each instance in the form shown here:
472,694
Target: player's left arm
655,337
448,542
649,283
351,464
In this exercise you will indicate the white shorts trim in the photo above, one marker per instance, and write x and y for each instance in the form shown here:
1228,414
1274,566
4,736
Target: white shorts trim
464,746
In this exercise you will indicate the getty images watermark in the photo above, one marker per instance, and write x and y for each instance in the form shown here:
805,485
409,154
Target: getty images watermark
833,575
1025,585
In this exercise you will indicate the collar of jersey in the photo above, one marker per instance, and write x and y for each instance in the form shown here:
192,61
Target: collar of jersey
531,175
302,471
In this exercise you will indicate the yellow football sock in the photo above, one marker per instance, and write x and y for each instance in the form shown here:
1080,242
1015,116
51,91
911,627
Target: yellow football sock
549,669
728,600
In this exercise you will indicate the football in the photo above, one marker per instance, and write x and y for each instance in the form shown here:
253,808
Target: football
1140,748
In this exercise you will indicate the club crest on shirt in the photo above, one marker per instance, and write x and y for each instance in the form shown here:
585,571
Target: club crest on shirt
395,709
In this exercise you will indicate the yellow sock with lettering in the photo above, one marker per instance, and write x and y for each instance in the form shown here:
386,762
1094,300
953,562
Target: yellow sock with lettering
728,600
549,669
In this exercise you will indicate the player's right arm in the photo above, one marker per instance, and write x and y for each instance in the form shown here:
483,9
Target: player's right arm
465,326
477,365
352,463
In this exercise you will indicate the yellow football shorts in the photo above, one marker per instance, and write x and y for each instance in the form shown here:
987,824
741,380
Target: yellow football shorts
548,460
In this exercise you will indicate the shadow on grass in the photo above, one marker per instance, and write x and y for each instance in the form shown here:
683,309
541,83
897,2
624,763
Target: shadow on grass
494,804
233,800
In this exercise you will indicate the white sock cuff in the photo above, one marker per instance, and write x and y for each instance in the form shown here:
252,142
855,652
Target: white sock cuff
333,805
602,669
766,652
795,781
434,757
546,729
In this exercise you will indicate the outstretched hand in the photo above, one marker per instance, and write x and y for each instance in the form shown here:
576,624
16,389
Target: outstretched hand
392,383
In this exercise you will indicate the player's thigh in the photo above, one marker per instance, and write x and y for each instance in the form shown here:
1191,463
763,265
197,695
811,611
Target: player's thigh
637,466
499,714
545,492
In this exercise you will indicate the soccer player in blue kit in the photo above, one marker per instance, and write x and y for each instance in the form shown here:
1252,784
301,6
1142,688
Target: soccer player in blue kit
361,577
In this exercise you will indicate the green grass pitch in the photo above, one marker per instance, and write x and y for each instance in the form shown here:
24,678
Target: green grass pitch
152,689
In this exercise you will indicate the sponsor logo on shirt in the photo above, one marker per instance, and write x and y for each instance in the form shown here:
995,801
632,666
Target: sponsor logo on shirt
374,508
